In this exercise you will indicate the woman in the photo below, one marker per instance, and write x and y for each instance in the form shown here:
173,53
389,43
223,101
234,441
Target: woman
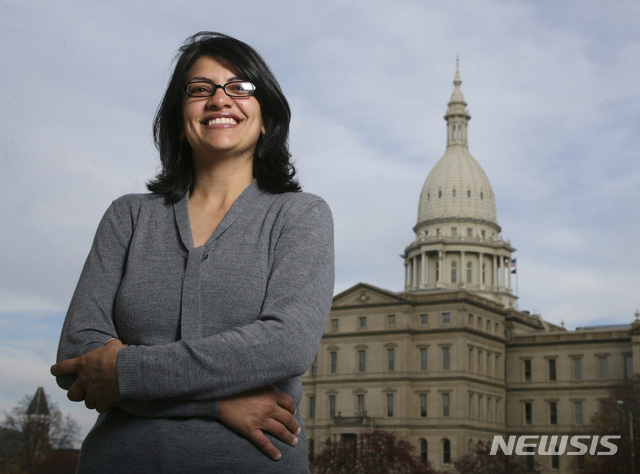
201,304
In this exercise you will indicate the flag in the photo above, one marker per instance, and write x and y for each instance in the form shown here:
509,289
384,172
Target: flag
513,265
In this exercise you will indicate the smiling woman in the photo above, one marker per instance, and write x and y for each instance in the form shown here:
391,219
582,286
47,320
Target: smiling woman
272,168
220,128
201,304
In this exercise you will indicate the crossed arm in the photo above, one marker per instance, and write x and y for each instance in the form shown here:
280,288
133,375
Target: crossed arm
249,414
211,390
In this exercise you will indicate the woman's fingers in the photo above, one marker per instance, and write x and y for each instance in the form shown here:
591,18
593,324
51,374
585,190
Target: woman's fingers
281,431
260,411
285,401
284,426
258,438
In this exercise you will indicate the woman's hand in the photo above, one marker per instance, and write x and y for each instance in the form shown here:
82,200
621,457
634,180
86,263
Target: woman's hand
97,380
255,412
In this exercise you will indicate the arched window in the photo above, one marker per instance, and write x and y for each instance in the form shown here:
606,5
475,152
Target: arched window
446,451
453,193
424,454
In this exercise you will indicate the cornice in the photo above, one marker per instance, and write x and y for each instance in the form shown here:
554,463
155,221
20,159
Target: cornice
445,220
353,382
574,387
511,344
413,332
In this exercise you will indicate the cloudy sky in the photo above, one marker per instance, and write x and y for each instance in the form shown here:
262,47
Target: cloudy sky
552,87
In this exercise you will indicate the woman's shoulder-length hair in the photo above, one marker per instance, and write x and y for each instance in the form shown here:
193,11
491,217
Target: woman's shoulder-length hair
272,167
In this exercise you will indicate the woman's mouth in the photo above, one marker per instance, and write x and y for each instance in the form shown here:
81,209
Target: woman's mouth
222,121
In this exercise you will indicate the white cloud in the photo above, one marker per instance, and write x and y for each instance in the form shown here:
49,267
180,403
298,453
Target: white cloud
550,87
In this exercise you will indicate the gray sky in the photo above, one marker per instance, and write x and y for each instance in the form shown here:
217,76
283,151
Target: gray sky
552,88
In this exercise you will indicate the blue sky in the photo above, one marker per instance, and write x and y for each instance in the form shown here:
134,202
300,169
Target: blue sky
552,91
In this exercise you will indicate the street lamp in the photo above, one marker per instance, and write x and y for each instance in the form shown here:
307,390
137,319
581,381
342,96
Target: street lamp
633,445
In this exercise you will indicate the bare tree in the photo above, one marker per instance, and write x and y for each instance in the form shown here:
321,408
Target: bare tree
33,432
619,415
480,461
370,452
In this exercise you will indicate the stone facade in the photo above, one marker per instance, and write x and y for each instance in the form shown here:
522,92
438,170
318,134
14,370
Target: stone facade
451,360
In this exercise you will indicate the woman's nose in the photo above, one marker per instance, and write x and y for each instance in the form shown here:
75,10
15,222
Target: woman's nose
219,99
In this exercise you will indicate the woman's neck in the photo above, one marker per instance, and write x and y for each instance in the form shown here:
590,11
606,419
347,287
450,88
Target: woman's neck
219,182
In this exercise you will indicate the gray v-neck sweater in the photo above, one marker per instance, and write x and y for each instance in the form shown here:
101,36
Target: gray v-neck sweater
245,310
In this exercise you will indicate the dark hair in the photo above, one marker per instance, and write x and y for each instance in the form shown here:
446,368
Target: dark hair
272,168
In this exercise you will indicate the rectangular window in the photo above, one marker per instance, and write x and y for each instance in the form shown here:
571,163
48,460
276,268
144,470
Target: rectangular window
391,319
577,368
389,404
424,319
312,407
334,324
528,413
552,369
391,356
604,370
363,321
445,404
423,405
454,230
553,413
446,318
334,362
361,411
332,406
578,412
527,370
469,229
423,359
361,360
445,358
628,367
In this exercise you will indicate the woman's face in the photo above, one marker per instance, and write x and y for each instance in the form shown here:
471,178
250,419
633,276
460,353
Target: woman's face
220,126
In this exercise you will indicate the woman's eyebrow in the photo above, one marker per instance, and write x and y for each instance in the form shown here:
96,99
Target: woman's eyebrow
206,79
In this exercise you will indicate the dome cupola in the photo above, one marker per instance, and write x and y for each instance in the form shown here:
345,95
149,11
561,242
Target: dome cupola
458,242
457,186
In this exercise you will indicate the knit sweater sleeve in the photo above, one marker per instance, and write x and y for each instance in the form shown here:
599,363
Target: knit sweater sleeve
89,323
280,344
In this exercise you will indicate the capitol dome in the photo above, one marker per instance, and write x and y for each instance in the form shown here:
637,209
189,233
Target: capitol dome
457,187
458,243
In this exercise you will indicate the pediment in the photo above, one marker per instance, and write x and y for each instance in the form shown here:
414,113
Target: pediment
364,294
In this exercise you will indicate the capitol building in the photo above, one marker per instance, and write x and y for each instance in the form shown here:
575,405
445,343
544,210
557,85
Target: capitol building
451,360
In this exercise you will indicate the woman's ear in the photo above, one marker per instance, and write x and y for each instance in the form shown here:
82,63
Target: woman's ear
263,130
